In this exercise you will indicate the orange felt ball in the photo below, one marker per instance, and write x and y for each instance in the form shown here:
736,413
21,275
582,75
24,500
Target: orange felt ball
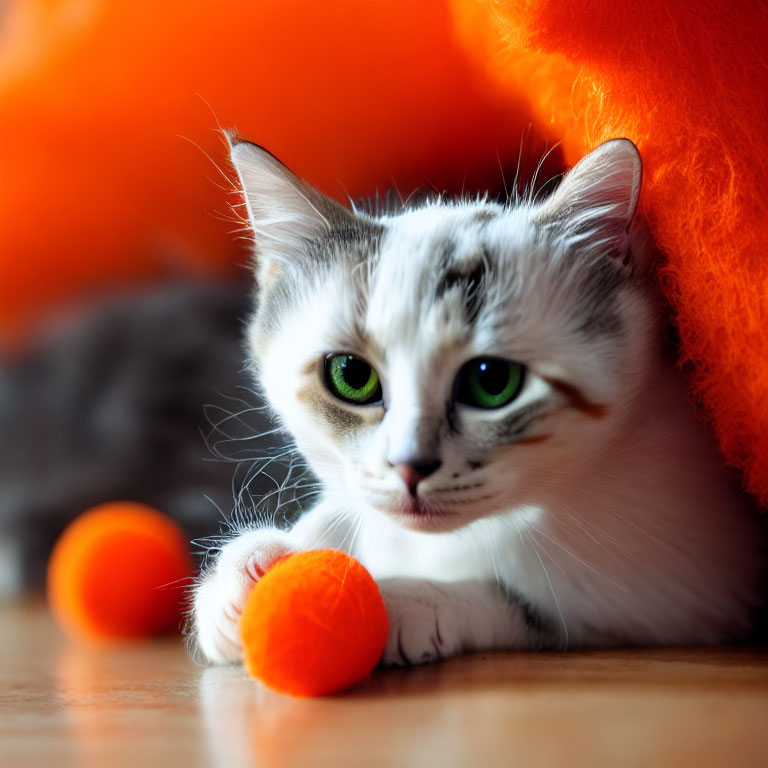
314,624
117,571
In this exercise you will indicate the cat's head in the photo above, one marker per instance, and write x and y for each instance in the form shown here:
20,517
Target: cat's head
442,364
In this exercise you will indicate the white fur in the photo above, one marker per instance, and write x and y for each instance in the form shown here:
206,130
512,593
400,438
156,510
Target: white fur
622,529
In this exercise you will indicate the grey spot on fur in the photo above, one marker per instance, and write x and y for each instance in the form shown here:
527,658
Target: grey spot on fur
601,323
483,217
599,291
447,252
350,244
466,277
349,240
542,631
518,423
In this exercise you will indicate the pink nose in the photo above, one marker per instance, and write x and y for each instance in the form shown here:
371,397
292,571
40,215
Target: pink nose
414,472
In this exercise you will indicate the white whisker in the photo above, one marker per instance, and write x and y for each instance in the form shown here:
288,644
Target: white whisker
551,587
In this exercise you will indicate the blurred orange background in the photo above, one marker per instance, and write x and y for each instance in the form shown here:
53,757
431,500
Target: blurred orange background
112,162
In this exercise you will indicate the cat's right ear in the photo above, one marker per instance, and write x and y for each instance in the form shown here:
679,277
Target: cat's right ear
284,212
595,204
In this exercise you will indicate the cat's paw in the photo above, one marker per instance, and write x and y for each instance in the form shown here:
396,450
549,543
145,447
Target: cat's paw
423,625
220,598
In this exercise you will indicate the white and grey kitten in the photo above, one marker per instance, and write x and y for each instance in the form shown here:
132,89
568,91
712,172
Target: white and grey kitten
483,392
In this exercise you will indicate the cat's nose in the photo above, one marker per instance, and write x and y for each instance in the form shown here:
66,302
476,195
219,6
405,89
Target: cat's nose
413,472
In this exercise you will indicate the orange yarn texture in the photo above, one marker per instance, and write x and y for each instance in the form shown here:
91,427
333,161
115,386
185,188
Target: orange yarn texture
688,83
118,572
314,624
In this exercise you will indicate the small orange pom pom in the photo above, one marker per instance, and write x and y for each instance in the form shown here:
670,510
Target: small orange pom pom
115,573
314,624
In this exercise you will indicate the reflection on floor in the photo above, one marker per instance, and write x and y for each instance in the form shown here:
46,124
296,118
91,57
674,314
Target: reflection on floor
148,704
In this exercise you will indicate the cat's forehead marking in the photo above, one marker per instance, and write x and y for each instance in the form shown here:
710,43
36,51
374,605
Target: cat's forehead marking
430,274
464,276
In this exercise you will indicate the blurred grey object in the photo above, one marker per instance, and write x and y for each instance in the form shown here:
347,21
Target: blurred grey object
141,398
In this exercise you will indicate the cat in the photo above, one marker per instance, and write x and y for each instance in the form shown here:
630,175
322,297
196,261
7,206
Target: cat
502,437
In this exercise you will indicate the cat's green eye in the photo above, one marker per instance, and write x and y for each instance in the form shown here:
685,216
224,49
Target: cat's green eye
351,379
489,382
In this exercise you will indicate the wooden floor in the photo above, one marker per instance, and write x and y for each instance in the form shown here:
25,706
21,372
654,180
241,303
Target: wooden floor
147,704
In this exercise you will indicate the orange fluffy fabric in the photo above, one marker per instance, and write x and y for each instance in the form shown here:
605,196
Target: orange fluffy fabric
688,82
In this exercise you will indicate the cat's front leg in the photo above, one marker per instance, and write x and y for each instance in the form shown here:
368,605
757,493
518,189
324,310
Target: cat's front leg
433,620
223,589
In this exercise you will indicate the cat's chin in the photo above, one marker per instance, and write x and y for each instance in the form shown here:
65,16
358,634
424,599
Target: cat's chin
418,515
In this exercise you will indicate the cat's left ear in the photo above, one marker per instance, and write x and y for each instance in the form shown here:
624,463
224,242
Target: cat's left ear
595,203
